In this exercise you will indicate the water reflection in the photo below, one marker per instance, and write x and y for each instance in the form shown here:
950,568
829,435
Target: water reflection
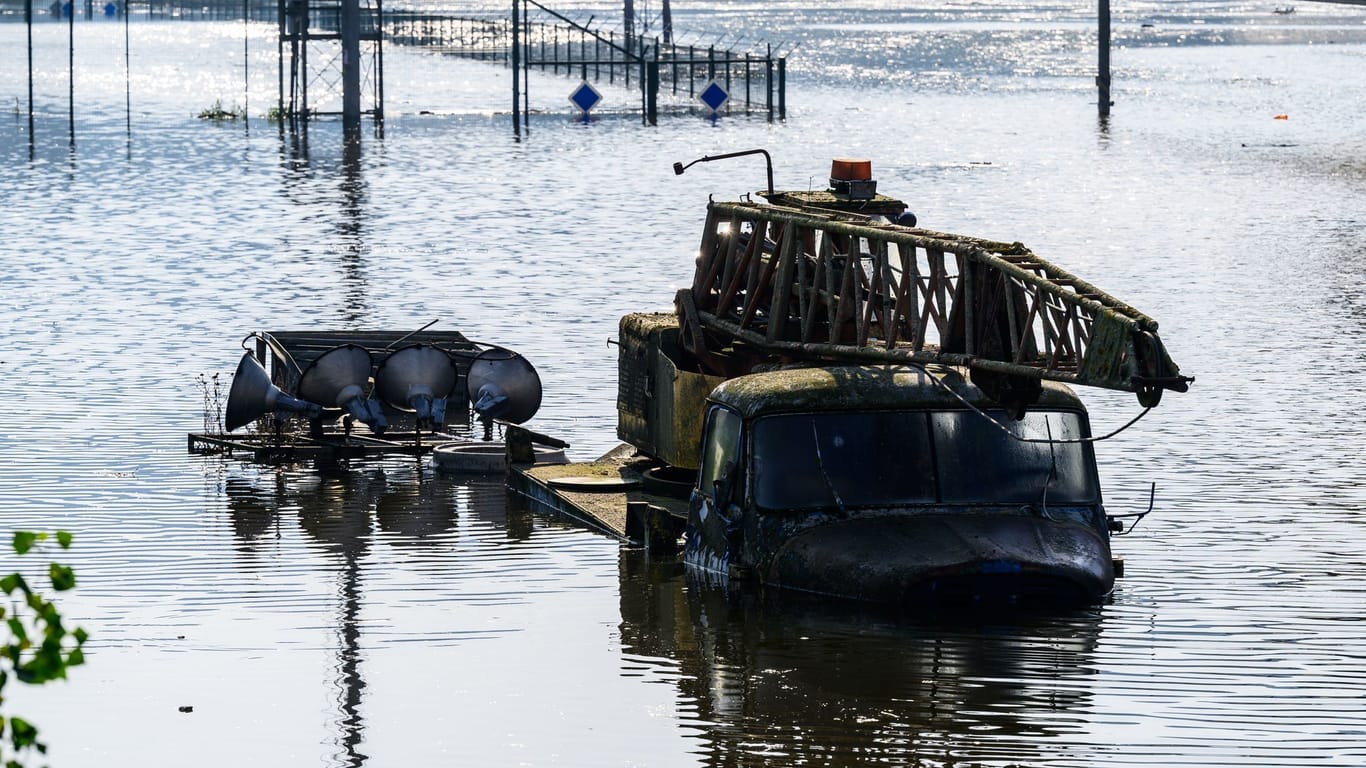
769,684
333,507
313,179
353,251
757,682
345,511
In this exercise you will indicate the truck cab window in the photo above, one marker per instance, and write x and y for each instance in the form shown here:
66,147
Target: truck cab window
720,448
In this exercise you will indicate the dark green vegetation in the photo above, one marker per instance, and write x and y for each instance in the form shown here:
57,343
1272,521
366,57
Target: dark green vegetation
37,646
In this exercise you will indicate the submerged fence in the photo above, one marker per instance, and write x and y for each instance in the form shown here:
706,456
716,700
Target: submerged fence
546,41
668,75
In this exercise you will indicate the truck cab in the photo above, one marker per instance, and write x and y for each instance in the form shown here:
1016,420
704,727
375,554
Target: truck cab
898,484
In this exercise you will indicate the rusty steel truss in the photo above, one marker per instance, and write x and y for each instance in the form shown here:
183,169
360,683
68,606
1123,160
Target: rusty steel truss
833,286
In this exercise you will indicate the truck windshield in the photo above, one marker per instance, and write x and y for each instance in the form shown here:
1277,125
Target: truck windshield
843,459
861,459
979,463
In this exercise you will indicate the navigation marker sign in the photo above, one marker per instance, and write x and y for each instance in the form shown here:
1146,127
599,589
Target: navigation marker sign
585,97
713,97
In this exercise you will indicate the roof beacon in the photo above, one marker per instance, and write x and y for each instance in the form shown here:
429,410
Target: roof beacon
853,178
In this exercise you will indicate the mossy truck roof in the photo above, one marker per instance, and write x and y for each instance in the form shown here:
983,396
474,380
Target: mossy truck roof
867,388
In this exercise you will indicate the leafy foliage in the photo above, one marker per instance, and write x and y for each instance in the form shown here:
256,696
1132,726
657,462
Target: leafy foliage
36,647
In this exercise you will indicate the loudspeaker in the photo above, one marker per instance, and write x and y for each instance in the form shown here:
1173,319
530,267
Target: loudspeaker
502,385
418,378
253,395
337,379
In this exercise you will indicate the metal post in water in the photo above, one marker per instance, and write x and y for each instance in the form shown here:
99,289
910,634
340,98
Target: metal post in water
516,71
1103,77
768,81
246,61
302,28
782,88
379,65
728,61
652,104
71,69
644,87
747,78
127,76
350,44
526,73
279,60
28,20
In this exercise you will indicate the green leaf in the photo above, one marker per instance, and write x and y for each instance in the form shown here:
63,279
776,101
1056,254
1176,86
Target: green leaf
80,635
24,541
63,578
16,628
11,582
23,734
64,539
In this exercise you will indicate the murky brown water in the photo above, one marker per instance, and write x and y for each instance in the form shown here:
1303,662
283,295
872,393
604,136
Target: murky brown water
386,615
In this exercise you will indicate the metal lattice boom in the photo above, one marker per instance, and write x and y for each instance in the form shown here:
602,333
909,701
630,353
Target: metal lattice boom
836,286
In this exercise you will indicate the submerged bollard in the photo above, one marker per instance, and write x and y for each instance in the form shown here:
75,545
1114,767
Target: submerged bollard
652,527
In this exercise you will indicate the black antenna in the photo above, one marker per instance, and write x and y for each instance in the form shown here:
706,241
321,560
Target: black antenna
679,168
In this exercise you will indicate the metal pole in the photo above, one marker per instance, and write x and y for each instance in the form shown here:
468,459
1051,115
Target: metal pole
768,81
782,88
526,72
668,25
71,69
246,59
127,74
516,71
652,104
350,50
303,55
280,61
1103,77
379,64
28,20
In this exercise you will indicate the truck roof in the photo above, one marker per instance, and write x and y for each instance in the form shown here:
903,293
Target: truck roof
866,388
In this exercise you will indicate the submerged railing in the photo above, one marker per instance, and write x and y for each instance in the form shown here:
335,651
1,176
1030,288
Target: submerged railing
545,40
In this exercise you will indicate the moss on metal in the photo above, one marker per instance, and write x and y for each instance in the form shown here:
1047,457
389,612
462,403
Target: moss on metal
863,388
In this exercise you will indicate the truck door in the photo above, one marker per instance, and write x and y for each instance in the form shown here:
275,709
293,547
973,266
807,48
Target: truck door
714,513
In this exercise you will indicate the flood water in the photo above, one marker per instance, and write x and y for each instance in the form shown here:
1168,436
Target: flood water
382,614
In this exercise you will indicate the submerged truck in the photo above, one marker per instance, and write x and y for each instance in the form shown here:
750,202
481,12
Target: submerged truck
870,410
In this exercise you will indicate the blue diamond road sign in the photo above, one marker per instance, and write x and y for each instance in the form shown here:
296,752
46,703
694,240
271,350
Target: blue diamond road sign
714,96
585,97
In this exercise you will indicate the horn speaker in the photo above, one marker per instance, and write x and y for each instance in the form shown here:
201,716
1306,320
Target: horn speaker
418,378
337,379
253,394
502,385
